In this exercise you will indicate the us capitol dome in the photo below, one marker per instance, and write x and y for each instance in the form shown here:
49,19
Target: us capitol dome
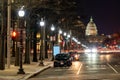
92,37
91,29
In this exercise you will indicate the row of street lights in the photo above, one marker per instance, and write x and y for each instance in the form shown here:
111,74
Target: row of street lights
21,14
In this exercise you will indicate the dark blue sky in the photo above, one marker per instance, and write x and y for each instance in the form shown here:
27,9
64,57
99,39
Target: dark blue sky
105,13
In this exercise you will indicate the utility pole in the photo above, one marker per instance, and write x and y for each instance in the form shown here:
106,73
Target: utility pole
8,33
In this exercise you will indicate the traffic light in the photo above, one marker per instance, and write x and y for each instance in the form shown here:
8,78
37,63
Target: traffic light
14,35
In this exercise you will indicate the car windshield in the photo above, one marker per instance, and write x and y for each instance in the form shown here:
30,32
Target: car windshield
61,57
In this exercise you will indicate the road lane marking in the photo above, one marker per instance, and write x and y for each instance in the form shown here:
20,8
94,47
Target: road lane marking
95,68
79,69
112,68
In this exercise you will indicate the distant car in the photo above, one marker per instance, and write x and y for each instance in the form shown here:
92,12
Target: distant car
62,59
75,56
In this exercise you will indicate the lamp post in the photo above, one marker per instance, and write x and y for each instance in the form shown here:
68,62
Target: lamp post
42,47
68,42
21,14
65,44
60,31
52,39
59,39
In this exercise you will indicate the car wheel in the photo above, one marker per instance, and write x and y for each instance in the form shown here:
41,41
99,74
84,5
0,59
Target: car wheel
55,65
69,64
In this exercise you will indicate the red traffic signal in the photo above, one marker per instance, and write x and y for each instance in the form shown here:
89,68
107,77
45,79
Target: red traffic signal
14,34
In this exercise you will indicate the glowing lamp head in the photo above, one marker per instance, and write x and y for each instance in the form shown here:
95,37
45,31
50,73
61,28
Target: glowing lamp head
42,23
21,13
52,28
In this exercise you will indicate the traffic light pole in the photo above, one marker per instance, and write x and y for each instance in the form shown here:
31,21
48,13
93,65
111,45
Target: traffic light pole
13,49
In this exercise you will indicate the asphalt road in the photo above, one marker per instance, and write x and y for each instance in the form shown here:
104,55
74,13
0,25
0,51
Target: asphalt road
91,66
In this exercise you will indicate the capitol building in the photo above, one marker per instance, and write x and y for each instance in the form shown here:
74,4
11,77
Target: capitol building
92,36
91,28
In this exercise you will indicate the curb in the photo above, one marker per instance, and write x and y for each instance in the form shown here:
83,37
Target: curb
35,73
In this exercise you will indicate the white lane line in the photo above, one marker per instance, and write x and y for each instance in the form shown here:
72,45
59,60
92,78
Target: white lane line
112,68
79,69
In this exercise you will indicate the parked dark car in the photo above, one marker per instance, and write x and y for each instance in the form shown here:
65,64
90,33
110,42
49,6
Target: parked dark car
62,59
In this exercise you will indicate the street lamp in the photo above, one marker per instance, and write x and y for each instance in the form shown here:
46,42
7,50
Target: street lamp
65,34
65,44
68,42
21,14
42,47
60,31
68,36
59,38
52,28
52,39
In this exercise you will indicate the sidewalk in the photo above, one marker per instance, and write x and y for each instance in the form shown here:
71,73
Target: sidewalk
29,69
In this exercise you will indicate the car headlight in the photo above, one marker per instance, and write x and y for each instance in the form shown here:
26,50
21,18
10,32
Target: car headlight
87,50
94,50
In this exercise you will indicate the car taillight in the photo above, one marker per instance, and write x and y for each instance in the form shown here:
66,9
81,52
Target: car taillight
76,56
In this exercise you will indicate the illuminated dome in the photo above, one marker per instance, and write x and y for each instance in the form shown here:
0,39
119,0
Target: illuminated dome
91,28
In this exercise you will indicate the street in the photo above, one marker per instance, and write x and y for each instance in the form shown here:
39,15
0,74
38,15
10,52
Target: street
92,66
